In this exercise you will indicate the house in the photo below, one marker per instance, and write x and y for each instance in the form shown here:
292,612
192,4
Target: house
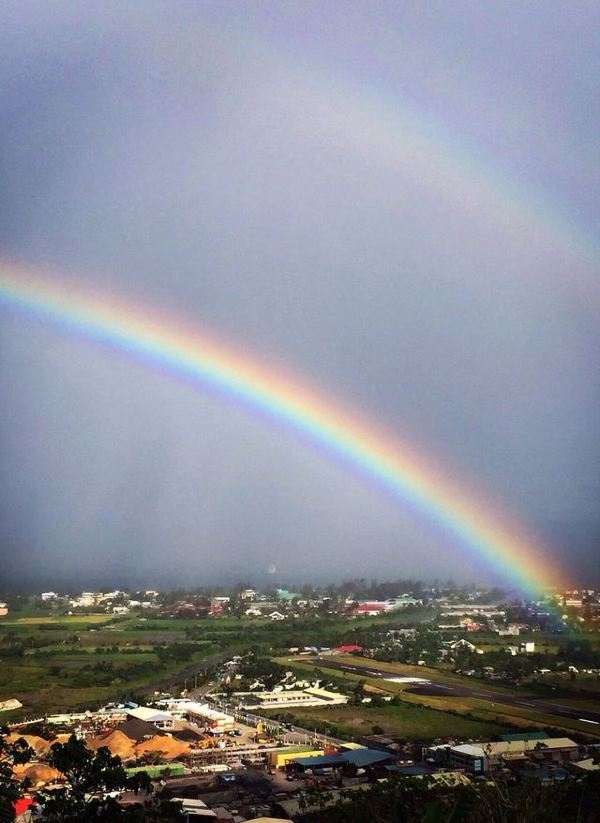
276,616
368,609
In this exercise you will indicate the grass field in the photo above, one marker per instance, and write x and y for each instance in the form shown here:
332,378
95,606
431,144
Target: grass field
59,662
411,722
68,620
478,708
43,656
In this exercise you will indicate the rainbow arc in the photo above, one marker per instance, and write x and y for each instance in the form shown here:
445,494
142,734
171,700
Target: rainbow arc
165,344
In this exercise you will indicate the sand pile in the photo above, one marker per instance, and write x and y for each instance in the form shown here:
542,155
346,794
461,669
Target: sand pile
38,744
116,742
38,773
168,746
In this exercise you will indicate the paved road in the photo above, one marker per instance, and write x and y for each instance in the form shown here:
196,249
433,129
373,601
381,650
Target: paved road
433,687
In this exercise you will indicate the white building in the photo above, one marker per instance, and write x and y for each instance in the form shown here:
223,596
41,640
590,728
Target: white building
311,696
217,721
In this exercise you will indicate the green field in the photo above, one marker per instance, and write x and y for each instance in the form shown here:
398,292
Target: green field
68,620
477,708
58,661
410,722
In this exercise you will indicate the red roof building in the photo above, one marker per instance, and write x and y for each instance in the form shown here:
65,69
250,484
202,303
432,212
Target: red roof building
366,609
351,647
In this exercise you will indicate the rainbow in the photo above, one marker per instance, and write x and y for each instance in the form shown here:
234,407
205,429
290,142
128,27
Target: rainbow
186,353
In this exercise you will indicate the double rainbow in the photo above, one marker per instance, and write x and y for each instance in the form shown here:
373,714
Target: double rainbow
184,352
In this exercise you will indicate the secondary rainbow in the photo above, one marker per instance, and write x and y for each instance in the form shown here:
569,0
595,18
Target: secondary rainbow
167,344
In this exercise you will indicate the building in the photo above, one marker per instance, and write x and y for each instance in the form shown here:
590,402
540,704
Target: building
201,713
463,644
163,720
281,758
369,609
480,758
367,759
195,810
282,699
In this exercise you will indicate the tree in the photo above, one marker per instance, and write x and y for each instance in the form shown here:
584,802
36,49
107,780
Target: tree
90,776
11,754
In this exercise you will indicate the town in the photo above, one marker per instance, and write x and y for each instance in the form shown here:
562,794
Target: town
237,704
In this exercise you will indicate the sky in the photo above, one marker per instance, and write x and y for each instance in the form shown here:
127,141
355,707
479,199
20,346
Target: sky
396,202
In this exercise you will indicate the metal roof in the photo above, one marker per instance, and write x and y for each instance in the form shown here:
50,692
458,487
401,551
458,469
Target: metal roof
358,757
540,735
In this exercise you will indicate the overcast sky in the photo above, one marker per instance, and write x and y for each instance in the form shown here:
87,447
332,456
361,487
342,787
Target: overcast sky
397,201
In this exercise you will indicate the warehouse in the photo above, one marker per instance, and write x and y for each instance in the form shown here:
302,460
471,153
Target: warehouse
479,758
367,759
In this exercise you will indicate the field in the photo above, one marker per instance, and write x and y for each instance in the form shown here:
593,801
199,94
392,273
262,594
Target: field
52,662
59,662
71,621
411,722
478,708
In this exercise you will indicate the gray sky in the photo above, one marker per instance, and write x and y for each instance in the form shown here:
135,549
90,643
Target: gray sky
396,201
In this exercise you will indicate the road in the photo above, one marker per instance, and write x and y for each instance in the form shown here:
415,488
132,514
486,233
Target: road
437,688
293,734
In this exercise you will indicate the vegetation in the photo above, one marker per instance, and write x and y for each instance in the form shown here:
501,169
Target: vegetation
11,754
90,780
56,662
422,800
409,722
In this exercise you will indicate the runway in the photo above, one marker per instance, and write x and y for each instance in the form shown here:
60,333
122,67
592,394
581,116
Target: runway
437,688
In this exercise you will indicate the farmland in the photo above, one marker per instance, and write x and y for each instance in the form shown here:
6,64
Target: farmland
53,662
